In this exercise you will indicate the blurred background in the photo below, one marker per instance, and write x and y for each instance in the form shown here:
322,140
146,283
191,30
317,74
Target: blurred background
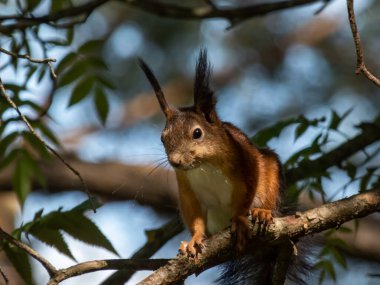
298,61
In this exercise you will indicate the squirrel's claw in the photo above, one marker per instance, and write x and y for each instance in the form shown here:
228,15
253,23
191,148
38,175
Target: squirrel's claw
263,216
192,248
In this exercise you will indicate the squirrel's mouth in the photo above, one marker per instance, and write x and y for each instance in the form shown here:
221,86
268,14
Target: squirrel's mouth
185,166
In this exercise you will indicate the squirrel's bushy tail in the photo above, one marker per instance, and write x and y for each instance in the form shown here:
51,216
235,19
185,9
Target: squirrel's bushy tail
258,267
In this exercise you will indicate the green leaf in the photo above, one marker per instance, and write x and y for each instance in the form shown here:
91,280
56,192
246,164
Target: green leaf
81,91
6,142
47,132
101,104
35,171
263,136
21,179
82,228
72,74
86,205
91,46
366,178
66,61
51,237
339,257
351,170
9,158
335,120
58,5
105,82
36,144
20,262
300,130
32,4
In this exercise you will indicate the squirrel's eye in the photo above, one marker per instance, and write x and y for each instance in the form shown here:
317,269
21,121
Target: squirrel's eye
162,138
197,133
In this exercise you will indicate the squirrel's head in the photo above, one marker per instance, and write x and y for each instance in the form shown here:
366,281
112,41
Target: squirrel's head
192,135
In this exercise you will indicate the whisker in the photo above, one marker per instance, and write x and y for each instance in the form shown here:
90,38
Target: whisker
157,166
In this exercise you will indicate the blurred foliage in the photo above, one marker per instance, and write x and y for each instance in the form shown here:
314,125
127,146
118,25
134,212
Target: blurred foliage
48,228
95,61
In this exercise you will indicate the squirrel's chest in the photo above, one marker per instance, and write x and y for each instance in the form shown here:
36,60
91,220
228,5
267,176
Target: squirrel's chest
214,192
210,185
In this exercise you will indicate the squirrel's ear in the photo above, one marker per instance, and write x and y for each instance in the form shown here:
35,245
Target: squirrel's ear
157,89
204,99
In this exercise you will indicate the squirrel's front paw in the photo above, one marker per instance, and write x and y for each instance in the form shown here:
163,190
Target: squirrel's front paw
192,248
241,229
263,216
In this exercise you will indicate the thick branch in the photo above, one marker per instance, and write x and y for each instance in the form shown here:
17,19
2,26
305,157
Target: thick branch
360,64
219,249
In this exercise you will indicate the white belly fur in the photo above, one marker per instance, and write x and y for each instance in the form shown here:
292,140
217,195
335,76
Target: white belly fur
214,192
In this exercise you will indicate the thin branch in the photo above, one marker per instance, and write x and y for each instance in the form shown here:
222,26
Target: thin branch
360,64
156,239
219,248
30,251
108,264
5,278
28,57
52,150
34,60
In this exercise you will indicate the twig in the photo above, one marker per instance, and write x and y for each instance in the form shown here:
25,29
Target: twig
34,60
28,57
360,64
108,264
6,280
33,131
30,251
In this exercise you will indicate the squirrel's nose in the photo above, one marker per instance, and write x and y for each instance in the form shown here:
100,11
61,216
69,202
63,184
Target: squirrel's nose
175,159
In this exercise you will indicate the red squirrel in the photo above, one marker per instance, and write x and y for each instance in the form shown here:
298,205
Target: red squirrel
222,177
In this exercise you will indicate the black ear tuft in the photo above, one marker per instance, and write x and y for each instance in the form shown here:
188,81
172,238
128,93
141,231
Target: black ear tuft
204,99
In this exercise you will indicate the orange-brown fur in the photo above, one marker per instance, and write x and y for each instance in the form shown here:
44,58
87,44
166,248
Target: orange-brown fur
253,173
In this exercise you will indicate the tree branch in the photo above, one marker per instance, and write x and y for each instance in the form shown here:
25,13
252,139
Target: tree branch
108,264
219,248
360,64
233,15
